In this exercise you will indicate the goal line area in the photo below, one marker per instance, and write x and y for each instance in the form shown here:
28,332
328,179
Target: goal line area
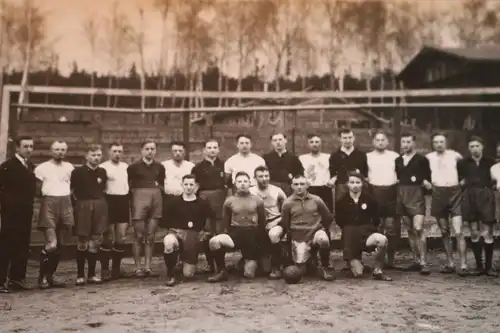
260,114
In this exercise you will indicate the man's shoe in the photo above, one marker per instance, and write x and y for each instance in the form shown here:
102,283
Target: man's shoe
424,270
20,285
54,282
94,280
171,281
324,274
4,289
219,277
275,274
43,283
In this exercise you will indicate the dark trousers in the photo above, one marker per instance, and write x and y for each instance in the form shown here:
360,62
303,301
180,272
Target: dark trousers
15,236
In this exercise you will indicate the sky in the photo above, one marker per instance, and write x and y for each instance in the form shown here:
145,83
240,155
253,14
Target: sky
65,27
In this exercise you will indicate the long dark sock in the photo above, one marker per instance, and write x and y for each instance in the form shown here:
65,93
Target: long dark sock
170,262
324,257
488,255
208,255
117,258
44,264
54,258
477,250
276,259
80,263
91,260
105,255
220,259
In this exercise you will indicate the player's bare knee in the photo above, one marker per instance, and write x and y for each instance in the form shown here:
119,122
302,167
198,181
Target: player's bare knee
170,244
356,267
250,269
93,246
377,240
220,241
275,234
188,270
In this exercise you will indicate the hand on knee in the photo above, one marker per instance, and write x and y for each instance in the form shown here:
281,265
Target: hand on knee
170,244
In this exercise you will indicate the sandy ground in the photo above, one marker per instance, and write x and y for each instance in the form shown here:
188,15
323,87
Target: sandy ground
411,303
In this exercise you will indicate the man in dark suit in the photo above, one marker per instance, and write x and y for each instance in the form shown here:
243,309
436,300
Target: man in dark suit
17,192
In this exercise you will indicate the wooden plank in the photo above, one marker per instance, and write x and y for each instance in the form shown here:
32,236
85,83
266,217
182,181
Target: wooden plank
258,94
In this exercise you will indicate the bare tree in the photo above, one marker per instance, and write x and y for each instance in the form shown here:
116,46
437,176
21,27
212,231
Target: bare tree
138,38
117,45
91,29
473,22
165,7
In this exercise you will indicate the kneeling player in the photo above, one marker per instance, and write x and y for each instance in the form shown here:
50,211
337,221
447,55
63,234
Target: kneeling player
357,215
478,204
91,212
273,198
244,220
185,220
306,221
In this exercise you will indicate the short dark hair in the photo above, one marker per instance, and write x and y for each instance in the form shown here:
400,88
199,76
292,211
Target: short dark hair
277,133
379,131
345,130
115,144
211,140
438,134
241,173
93,147
260,168
475,138
18,140
355,174
147,141
313,135
189,176
298,176
408,135
243,135
177,143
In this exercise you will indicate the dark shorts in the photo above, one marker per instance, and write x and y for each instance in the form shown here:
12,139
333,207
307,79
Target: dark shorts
446,201
410,200
386,199
147,203
216,200
91,217
354,241
118,208
478,205
55,212
189,244
325,193
247,240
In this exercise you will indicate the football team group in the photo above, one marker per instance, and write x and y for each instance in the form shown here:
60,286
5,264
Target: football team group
278,207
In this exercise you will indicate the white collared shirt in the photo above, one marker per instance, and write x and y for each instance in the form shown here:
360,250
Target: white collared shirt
444,171
271,196
117,183
382,168
22,160
316,168
55,178
495,172
248,164
173,175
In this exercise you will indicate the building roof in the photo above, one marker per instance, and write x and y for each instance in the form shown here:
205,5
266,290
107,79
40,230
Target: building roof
487,53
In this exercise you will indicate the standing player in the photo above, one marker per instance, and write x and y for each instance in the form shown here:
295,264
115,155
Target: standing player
17,193
306,221
478,206
56,211
88,183
118,200
347,158
382,178
186,221
414,174
175,169
273,198
243,161
282,164
317,170
244,221
210,177
447,200
357,213
146,179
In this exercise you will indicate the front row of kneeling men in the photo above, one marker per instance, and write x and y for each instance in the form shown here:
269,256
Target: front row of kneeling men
260,221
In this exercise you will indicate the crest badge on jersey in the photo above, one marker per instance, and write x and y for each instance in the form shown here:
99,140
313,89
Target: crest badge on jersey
363,206
99,180
413,178
190,224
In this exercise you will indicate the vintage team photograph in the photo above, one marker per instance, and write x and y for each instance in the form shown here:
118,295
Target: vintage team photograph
249,166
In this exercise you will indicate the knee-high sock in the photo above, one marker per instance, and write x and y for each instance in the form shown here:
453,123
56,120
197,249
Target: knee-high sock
324,257
81,256
477,250
276,259
171,260
92,260
104,257
220,259
488,255
118,251
44,264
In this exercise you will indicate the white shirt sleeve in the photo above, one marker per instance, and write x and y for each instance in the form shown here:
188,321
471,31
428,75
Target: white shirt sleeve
40,172
228,168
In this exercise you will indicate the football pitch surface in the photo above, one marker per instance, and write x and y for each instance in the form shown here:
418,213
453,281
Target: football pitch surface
411,303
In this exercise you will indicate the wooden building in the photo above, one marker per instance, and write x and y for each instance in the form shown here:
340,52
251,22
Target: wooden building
435,67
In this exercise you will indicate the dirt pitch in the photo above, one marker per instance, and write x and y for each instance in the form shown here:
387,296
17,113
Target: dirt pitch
410,303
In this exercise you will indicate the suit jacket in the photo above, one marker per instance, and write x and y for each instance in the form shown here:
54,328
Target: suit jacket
17,185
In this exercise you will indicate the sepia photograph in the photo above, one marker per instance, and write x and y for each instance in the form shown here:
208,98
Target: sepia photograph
249,166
